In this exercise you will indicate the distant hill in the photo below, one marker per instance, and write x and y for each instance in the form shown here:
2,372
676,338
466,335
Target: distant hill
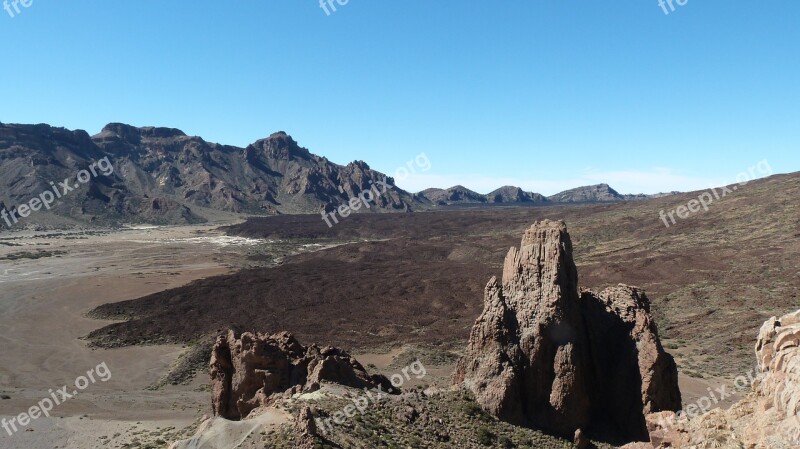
511,194
597,193
453,195
600,193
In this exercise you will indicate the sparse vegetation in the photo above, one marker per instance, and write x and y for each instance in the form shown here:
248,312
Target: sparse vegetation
32,255
447,420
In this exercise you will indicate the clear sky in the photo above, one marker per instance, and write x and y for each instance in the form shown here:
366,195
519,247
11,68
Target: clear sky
547,95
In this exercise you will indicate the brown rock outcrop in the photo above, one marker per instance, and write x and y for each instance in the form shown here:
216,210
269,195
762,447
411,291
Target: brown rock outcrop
543,354
249,370
633,375
766,419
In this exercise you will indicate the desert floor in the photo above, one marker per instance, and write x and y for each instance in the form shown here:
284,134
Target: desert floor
42,306
44,298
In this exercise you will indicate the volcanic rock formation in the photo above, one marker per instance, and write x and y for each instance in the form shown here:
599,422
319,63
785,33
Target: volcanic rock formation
766,419
248,369
544,354
163,176
633,375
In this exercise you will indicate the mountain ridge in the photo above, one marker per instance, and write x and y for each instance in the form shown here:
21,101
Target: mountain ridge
598,193
161,175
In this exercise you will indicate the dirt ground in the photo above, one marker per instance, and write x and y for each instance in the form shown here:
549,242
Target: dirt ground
43,303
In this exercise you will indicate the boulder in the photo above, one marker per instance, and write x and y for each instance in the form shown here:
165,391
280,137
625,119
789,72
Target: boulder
249,371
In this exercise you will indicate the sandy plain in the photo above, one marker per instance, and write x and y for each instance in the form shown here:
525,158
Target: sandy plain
44,297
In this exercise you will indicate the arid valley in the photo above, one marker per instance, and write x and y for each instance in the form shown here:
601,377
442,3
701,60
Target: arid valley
387,288
348,224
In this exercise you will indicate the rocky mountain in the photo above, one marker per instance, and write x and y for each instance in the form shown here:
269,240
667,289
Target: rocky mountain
590,194
547,355
511,194
41,162
600,193
162,175
271,176
453,195
460,195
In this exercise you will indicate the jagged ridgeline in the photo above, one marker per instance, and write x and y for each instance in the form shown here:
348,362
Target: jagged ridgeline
161,175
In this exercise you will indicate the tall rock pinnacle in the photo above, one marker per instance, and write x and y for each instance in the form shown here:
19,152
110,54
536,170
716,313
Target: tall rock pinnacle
541,351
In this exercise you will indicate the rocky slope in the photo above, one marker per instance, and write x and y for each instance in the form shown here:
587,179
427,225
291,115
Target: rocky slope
766,419
162,175
272,175
600,193
544,354
35,159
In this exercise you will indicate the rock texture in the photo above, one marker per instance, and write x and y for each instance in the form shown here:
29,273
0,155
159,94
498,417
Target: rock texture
34,158
766,419
306,429
248,370
163,176
626,354
544,354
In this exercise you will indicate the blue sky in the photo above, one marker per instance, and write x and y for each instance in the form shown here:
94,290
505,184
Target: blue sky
544,94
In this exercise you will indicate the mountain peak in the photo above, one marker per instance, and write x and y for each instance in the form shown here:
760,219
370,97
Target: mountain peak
132,133
588,194
280,145
514,194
